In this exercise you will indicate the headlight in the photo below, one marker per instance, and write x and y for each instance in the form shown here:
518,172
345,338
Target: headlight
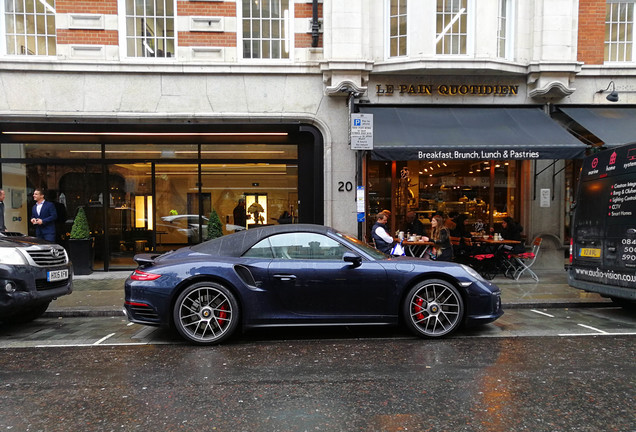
471,271
11,256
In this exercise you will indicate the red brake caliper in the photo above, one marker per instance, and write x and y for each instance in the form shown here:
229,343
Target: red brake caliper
418,308
222,313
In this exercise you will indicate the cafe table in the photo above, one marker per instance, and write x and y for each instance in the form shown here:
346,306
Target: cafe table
495,247
416,248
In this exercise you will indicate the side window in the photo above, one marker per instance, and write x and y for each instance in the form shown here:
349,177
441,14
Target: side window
262,249
266,32
30,27
150,28
452,27
296,246
397,28
619,31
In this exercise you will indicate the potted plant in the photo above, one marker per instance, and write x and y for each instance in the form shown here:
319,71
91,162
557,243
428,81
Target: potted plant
215,227
80,245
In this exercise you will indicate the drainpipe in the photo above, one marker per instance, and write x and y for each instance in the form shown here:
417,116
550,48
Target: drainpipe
315,25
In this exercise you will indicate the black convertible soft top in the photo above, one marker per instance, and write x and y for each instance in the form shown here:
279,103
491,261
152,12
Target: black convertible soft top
236,244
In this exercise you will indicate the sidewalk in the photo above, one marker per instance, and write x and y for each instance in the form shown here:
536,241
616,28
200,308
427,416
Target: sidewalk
102,294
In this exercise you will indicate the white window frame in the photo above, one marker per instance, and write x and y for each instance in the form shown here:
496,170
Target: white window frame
287,43
470,30
626,46
508,26
48,12
389,36
123,34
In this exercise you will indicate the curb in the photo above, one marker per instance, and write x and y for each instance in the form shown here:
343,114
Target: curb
90,313
82,313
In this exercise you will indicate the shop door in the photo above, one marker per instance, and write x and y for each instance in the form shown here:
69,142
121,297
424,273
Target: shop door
181,213
130,213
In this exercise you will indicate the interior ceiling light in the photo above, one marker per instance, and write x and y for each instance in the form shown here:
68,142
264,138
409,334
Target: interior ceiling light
185,151
147,133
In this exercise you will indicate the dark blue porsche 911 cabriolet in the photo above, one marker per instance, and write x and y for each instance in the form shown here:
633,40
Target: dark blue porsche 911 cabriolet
302,275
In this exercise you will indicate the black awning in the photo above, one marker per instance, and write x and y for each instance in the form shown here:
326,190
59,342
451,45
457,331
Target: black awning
613,126
409,133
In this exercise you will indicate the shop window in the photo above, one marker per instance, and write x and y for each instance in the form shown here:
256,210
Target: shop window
483,191
30,27
398,28
150,28
452,27
266,29
619,31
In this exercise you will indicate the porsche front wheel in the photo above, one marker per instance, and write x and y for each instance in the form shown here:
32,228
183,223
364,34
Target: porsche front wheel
433,308
206,313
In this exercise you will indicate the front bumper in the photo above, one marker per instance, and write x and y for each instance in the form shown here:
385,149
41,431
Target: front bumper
21,287
484,304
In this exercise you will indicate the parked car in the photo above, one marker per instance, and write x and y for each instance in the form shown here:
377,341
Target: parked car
33,273
189,225
301,275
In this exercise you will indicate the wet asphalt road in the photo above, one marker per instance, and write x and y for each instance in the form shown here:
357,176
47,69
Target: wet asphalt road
557,370
502,384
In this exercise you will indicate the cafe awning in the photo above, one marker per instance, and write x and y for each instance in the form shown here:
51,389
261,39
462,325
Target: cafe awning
613,126
414,133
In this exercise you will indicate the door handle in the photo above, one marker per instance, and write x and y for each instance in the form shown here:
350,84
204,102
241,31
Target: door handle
285,277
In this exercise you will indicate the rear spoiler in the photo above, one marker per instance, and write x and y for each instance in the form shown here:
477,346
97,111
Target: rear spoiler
145,259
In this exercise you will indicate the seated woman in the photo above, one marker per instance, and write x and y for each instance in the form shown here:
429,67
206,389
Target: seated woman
440,235
511,230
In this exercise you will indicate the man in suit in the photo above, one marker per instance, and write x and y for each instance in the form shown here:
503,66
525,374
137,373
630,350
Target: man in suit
43,217
3,227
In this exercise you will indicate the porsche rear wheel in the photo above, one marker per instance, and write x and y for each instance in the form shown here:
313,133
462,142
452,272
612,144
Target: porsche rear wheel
433,308
206,313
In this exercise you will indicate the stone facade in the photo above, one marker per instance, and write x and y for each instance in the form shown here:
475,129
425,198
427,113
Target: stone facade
556,57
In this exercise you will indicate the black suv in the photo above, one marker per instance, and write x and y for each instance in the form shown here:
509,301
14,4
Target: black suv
33,273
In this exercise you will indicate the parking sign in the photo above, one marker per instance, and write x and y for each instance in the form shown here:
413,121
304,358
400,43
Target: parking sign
361,131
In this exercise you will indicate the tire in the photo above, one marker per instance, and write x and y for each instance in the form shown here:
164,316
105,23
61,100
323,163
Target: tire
626,304
433,309
206,313
35,312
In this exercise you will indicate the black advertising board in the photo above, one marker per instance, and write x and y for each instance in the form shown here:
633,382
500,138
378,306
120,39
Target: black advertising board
616,165
603,249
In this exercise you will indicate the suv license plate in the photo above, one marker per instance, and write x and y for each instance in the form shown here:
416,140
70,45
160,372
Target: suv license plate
56,275
590,253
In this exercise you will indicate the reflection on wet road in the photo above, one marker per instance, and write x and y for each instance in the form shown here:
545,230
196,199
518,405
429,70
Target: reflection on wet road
50,332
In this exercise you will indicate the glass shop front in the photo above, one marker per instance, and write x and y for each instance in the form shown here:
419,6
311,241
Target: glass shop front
153,188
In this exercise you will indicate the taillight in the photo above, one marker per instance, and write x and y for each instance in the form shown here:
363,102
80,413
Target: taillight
139,275
571,248
129,303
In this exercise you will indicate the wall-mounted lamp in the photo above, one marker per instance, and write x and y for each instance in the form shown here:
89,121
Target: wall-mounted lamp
613,96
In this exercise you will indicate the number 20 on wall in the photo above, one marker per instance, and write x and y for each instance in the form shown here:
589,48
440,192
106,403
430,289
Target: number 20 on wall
345,186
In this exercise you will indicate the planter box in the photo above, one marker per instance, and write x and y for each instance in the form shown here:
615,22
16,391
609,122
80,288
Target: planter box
81,255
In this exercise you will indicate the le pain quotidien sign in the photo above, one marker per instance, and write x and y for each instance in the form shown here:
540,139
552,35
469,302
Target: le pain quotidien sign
447,89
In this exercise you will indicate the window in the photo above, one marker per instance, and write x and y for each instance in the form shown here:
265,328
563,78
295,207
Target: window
619,31
150,28
452,27
299,245
504,31
398,28
30,27
266,33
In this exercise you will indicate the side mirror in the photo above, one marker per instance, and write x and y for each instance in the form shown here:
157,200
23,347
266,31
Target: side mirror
353,259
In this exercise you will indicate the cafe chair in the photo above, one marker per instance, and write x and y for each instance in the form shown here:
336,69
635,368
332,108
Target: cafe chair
525,260
484,263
